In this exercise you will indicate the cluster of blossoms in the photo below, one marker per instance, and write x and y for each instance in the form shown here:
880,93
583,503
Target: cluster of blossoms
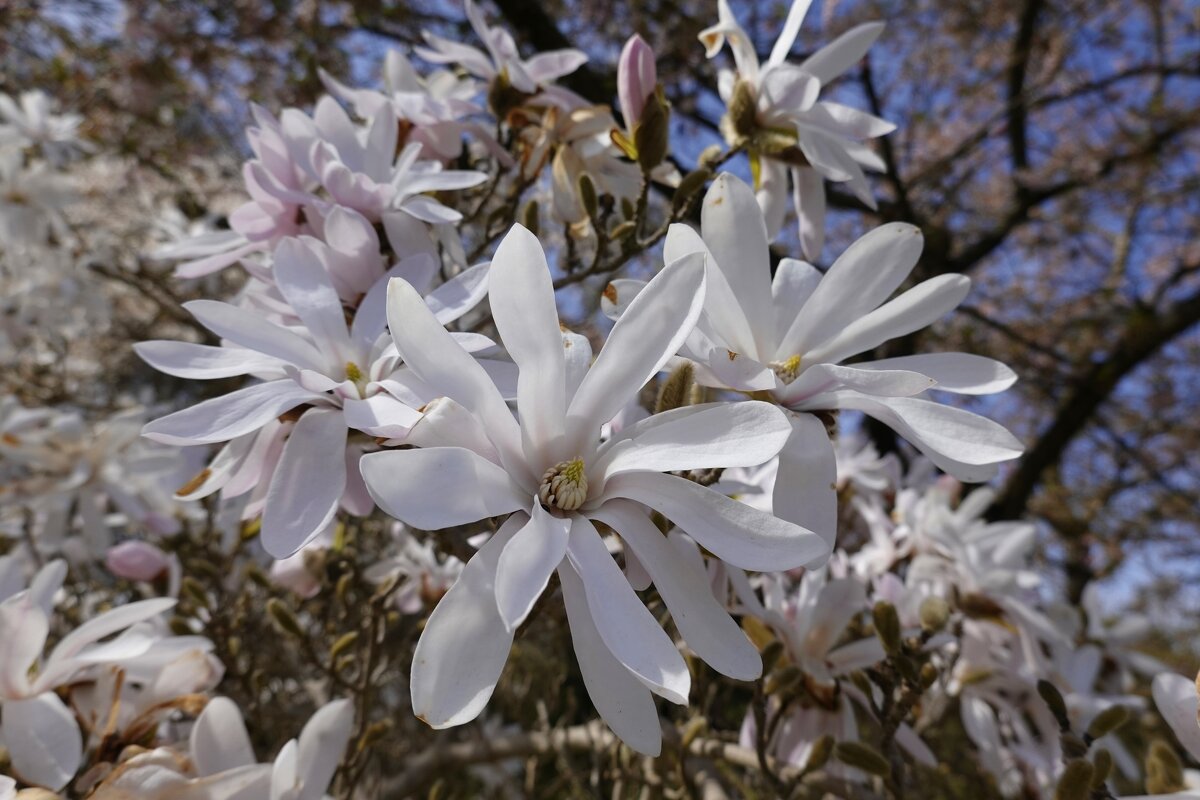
374,368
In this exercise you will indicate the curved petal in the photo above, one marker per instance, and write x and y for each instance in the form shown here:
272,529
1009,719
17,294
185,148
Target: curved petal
843,52
431,352
205,362
43,740
650,331
808,195
920,306
793,284
322,743
219,740
622,701
743,434
736,235
678,572
460,294
305,284
1177,701
245,328
961,373
307,484
732,531
791,27
439,487
805,490
860,279
462,650
628,629
230,415
528,561
522,298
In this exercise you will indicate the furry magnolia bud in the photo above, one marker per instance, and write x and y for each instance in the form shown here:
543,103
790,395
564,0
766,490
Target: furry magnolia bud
652,134
864,757
887,627
1054,699
1076,781
1107,721
934,613
743,110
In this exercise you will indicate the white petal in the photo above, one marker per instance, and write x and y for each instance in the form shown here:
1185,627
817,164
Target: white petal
623,702
628,629
244,327
429,210
843,52
522,298
961,373
219,740
735,233
459,295
808,195
304,283
915,309
527,563
954,439
322,743
805,485
229,416
650,331
43,740
380,415
439,487
860,279
431,352
721,306
713,435
732,531
462,650
24,628
307,484
678,572
829,377
204,362
791,27
794,283
1177,701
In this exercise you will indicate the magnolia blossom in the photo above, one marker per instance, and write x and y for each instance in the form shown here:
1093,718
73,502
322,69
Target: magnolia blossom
340,376
433,110
39,731
637,77
28,120
530,76
785,338
220,764
552,476
791,132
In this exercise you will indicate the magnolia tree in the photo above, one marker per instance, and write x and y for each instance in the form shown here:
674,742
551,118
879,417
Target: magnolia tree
386,527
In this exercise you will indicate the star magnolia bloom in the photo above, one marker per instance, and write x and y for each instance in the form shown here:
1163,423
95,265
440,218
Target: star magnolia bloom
40,732
813,140
502,58
786,338
550,472
342,377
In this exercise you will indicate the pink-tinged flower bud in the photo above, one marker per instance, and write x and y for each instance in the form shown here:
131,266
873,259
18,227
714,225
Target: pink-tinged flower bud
136,561
637,76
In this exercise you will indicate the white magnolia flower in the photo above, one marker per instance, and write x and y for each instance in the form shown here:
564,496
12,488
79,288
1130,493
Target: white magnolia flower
433,110
340,376
502,59
792,133
220,762
29,120
552,475
785,339
41,734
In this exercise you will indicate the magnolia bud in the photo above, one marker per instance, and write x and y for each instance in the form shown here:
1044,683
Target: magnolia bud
1107,721
651,136
636,78
1054,699
136,560
1102,764
822,749
864,757
1076,781
934,613
887,626
743,110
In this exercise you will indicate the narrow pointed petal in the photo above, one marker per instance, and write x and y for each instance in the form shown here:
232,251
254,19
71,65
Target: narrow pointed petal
460,294
703,437
439,487
462,650
806,483
794,283
860,279
808,195
733,228
721,306
245,328
304,283
651,330
623,702
522,298
961,373
791,27
843,52
527,563
917,308
679,575
205,362
229,416
732,531
628,629
307,484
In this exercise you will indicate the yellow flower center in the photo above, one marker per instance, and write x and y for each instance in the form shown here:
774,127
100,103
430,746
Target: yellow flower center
787,370
564,486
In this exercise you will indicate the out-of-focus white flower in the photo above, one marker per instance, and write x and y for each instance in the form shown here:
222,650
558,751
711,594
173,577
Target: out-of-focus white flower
775,107
30,122
549,474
